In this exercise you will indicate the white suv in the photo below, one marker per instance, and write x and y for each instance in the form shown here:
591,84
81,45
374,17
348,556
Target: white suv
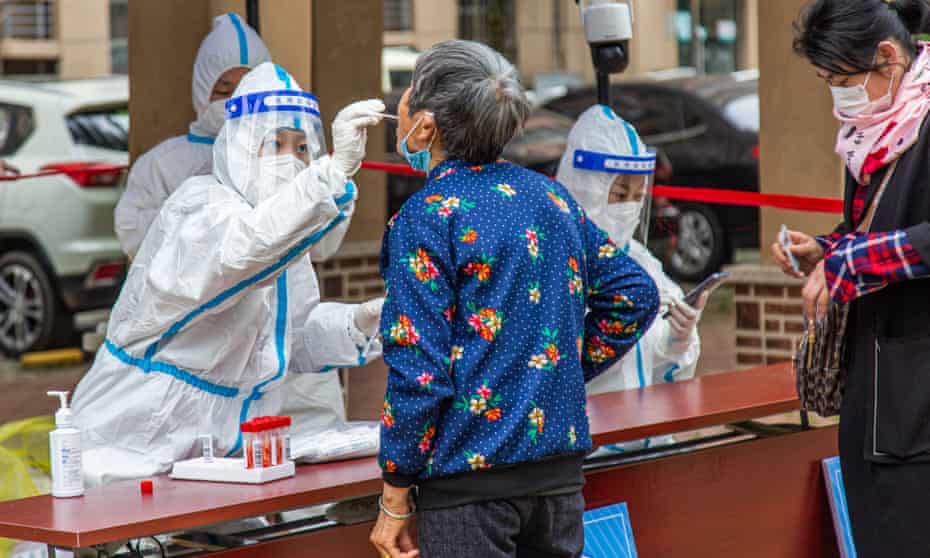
58,253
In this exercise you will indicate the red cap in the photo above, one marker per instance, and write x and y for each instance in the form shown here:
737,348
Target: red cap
261,424
286,421
247,427
146,486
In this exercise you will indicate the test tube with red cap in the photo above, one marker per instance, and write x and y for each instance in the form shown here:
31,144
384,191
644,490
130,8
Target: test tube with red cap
264,431
278,438
286,436
274,438
246,430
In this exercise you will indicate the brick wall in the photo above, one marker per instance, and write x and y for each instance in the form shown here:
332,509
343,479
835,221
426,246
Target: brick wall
768,314
352,274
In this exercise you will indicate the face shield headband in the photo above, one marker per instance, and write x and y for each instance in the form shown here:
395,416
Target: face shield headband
279,105
617,164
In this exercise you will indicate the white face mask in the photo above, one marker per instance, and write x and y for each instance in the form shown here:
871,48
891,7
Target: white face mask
274,172
280,169
854,100
212,118
622,221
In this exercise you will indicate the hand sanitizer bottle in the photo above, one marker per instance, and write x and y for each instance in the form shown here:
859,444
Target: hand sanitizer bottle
65,446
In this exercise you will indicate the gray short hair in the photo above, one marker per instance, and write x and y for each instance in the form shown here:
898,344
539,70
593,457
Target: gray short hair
475,96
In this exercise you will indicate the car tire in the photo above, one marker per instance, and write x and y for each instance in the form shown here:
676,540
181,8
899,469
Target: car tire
30,314
701,246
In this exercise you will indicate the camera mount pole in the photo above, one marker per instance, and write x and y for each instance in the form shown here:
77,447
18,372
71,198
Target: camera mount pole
603,88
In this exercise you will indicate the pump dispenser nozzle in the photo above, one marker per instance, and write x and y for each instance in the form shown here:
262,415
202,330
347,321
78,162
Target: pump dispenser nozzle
63,416
62,397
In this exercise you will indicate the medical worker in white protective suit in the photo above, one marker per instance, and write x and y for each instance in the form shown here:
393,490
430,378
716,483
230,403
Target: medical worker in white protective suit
609,170
220,317
230,50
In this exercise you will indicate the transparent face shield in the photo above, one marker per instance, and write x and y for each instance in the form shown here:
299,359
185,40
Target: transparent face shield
268,138
629,197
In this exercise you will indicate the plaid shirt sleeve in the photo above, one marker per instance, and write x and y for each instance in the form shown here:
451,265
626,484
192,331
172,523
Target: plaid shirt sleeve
861,263
827,241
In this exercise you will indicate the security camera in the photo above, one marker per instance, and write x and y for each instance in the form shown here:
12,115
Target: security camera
608,28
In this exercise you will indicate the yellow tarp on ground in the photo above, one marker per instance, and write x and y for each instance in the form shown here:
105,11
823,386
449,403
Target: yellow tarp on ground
23,453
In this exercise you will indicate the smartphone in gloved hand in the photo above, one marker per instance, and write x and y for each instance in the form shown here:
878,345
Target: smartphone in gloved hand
708,285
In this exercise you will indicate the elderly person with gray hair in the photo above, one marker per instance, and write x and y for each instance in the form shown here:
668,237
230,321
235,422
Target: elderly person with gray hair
504,299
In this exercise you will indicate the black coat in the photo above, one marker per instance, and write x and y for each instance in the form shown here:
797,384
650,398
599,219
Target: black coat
885,420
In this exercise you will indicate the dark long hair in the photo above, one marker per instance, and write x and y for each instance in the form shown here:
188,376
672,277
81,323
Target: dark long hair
842,36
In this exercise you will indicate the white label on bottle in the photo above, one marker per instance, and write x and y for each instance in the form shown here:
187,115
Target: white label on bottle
274,450
257,453
287,447
67,473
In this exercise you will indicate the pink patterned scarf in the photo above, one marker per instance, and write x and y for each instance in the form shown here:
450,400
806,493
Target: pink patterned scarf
869,142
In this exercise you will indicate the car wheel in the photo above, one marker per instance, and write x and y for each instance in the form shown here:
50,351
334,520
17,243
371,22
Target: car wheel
28,307
701,245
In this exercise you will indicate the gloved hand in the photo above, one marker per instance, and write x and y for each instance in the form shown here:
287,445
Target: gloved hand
367,316
350,135
682,319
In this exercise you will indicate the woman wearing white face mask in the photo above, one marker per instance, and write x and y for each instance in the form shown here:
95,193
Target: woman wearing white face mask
226,54
609,170
876,260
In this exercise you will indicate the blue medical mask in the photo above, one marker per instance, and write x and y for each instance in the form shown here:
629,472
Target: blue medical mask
421,159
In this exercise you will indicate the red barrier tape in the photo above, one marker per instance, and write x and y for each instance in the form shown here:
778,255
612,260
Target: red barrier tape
681,193
734,197
391,168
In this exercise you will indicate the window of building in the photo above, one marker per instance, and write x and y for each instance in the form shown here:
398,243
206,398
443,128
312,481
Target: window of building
14,67
491,22
21,19
119,36
398,15
711,45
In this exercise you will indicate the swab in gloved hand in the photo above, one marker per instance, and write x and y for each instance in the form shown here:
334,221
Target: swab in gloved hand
350,135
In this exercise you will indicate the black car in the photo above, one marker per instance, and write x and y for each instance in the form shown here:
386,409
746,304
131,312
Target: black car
708,127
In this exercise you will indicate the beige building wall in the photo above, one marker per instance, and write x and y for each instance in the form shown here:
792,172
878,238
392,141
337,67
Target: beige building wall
748,54
433,21
798,129
541,50
290,39
538,48
83,37
347,44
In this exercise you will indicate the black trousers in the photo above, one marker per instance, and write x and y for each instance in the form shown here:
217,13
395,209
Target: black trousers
526,527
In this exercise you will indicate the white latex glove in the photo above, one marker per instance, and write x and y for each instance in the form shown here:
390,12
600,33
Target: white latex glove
367,316
682,319
350,134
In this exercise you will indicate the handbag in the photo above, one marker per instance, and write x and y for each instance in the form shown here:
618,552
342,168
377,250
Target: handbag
820,357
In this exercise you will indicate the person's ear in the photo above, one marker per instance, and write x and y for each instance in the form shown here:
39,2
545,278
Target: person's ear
427,128
889,56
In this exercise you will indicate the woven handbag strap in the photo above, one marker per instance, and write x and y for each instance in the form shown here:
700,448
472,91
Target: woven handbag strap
866,224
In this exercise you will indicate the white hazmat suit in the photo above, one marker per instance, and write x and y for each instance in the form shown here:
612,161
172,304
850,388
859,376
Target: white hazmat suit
158,173
669,349
222,301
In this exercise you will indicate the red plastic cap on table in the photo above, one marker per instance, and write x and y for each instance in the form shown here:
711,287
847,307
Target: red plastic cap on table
146,486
